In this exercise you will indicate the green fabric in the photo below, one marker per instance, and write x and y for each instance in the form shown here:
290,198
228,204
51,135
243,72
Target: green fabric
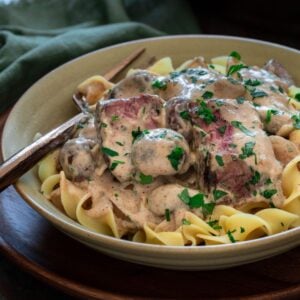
39,35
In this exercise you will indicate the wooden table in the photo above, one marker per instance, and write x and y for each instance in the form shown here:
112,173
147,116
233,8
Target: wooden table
34,245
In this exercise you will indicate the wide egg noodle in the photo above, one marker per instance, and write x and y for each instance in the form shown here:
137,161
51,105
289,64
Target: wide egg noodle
48,165
105,224
162,67
49,185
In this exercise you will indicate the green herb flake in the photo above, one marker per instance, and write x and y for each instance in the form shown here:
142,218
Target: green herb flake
206,113
241,127
296,122
268,181
219,160
185,115
232,145
222,129
103,125
269,114
255,178
119,143
217,194
258,93
196,201
207,95
272,205
136,134
159,84
235,68
242,229
235,54
176,156
297,97
184,196
211,66
254,82
114,118
109,152
214,224
231,237
145,179
247,151
185,222
268,194
240,100
115,163
167,215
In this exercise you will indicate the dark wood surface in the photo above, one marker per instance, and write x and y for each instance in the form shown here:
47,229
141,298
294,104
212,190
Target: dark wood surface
34,245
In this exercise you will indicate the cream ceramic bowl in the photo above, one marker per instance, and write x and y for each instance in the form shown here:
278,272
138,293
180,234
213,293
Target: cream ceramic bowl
48,103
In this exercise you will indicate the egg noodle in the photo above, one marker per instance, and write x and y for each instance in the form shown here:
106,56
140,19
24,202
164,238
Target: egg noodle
224,224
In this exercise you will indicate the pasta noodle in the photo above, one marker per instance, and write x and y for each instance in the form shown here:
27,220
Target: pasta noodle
179,215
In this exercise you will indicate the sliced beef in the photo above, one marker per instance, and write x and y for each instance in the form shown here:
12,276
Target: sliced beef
235,158
119,122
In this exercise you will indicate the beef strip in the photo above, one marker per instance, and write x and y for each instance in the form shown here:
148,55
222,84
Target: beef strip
118,121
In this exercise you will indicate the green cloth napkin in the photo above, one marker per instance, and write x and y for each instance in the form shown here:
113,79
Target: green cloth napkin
39,35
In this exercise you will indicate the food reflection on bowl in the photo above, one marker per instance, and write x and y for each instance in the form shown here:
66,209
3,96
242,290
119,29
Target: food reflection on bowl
199,187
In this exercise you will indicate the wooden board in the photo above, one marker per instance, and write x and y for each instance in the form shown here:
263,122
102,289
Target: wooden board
36,246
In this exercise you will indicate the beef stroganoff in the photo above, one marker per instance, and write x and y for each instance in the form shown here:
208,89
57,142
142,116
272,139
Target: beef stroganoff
204,154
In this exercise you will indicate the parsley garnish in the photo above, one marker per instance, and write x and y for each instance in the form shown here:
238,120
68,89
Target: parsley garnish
145,179
119,143
235,68
219,160
268,194
185,115
138,133
222,129
115,163
114,118
255,178
196,201
247,150
206,113
207,95
214,224
296,120
185,222
159,84
241,127
229,233
268,181
235,54
218,194
258,93
167,215
109,151
240,100
175,157
297,97
271,112
253,82
242,229
103,125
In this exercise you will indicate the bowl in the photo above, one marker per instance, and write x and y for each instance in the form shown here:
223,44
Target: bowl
48,103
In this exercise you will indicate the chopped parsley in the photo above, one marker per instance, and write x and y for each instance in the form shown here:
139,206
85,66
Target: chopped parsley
115,163
159,84
219,160
207,95
185,115
167,215
185,222
109,151
258,93
254,82
297,97
235,68
222,129
231,237
138,134
103,125
268,194
145,179
196,201
235,54
247,150
296,122
175,157
242,229
214,224
269,114
255,178
239,125
268,181
114,118
217,194
240,100
206,113
119,143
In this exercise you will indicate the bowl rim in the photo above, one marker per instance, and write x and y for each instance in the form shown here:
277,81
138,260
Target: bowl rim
92,236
